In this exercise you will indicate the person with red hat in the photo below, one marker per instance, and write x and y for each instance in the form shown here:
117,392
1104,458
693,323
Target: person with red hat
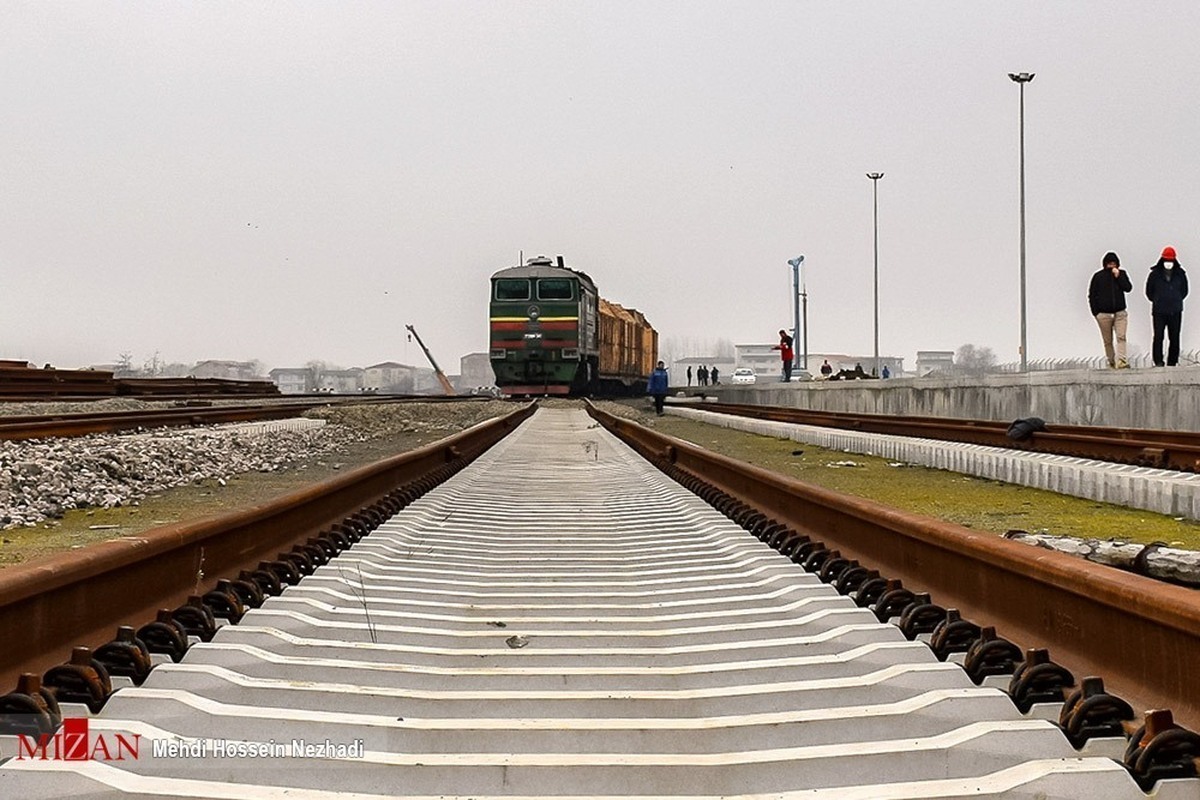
1166,287
1106,298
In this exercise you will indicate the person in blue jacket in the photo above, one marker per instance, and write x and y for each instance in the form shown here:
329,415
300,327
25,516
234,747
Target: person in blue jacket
657,386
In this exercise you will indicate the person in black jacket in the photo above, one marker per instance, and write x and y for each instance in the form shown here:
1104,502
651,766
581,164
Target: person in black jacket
1166,287
1106,296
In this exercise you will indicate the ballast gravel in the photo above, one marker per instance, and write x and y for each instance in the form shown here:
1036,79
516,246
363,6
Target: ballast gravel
41,479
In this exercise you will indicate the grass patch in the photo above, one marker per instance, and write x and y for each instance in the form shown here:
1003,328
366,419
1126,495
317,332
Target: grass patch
976,503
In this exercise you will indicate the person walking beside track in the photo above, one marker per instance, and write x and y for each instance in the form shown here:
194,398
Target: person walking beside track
657,386
786,354
1106,297
1166,287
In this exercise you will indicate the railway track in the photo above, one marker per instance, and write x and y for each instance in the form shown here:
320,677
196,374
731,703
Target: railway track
562,618
1178,450
18,427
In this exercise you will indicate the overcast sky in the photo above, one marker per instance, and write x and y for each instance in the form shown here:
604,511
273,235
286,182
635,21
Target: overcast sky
289,181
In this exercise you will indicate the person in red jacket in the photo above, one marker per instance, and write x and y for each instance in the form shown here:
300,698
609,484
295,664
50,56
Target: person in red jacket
786,354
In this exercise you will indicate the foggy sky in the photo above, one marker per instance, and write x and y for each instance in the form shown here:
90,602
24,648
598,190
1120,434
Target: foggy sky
287,181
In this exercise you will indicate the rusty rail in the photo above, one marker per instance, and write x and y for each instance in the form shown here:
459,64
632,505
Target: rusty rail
1178,450
1141,636
65,425
52,604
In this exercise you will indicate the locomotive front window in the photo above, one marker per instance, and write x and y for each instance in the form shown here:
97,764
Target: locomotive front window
512,289
554,289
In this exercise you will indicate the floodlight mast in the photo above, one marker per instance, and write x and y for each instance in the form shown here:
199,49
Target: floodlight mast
875,176
797,292
1022,78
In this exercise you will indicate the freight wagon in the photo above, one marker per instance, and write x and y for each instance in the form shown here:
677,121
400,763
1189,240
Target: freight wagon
552,333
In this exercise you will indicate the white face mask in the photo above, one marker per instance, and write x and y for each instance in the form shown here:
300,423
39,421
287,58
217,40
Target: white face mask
1169,265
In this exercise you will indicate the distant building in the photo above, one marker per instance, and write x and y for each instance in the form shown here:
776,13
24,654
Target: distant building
294,380
475,371
678,368
765,361
759,357
341,381
390,377
934,361
230,370
425,381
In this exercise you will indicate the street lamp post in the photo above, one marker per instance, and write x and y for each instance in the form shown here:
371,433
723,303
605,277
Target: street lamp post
804,319
875,176
1022,78
795,264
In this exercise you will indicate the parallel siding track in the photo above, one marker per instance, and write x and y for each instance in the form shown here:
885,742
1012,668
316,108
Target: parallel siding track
18,427
1179,450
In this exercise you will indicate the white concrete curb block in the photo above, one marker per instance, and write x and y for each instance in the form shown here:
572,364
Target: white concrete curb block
1168,492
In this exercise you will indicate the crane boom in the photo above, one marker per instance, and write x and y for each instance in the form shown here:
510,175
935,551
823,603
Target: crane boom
441,376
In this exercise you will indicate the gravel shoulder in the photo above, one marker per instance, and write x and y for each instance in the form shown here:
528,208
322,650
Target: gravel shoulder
353,436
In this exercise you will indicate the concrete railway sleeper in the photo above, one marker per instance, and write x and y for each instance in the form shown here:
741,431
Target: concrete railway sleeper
86,679
1162,449
562,618
1087,710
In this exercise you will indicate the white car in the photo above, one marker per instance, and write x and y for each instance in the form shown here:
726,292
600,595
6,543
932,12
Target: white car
743,375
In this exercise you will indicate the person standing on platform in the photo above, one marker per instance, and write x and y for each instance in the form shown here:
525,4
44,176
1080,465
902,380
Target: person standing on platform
886,372
689,376
1106,298
1166,287
714,375
701,375
657,387
826,369
786,354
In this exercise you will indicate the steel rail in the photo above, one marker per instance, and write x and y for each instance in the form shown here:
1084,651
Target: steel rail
15,428
68,599
1141,636
1178,450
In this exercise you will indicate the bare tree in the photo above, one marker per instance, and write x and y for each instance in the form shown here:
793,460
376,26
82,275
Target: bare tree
666,350
974,360
124,366
153,366
673,348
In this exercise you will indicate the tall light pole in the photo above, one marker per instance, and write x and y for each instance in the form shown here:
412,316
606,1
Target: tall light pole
875,176
1022,78
796,291
804,318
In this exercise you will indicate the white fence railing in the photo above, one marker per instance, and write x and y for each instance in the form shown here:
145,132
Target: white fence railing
1140,361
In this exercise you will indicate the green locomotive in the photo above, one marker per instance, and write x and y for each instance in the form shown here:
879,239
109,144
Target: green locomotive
552,334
